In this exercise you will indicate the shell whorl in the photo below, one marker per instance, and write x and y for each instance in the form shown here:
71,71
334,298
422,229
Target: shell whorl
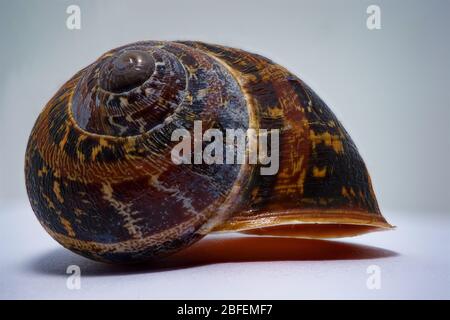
115,102
108,152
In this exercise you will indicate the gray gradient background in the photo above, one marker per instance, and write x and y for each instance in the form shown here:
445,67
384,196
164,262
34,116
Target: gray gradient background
389,87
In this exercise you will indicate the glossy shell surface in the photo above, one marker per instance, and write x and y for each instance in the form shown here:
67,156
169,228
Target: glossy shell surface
101,181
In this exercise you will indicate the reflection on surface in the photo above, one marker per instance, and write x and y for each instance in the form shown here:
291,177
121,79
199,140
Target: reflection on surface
217,250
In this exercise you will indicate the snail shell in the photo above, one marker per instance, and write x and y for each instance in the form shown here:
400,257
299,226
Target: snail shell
98,164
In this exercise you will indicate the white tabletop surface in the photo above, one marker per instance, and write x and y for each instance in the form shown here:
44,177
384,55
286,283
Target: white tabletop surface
413,262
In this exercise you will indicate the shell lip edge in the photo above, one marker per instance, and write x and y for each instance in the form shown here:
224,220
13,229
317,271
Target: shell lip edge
312,224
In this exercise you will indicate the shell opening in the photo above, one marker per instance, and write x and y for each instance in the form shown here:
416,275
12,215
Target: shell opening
315,230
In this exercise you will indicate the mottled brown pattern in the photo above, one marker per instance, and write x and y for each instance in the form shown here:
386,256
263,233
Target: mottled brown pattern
101,181
312,141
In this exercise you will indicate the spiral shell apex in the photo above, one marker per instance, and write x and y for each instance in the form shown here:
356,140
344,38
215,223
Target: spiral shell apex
102,181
